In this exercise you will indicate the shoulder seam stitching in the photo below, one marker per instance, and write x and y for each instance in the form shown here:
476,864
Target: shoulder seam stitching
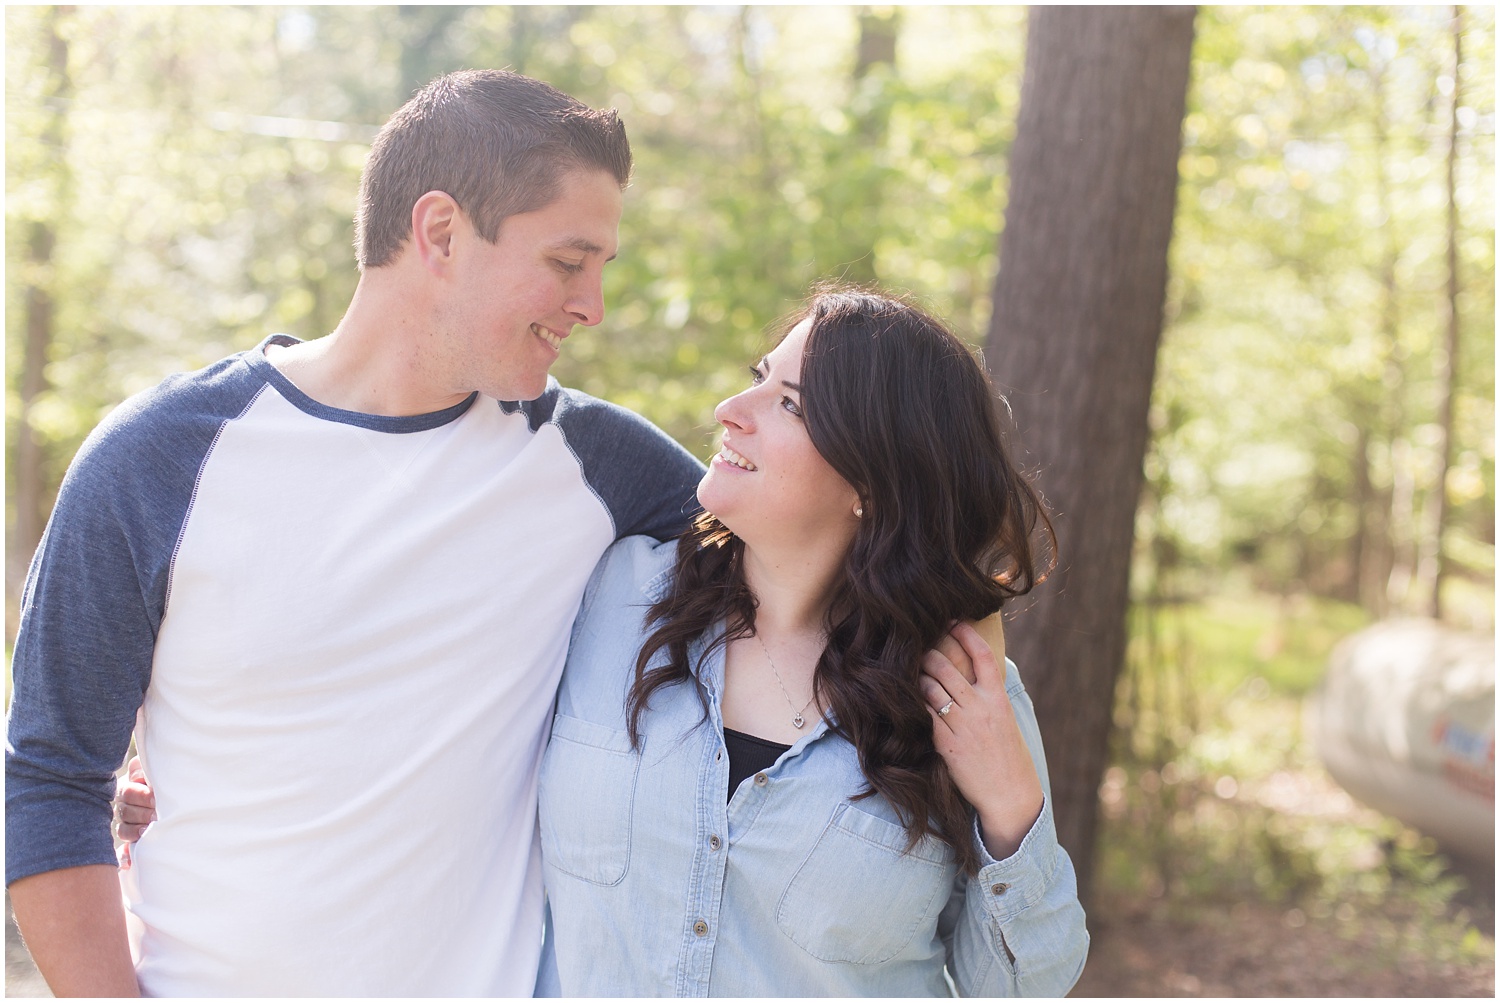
193,498
583,472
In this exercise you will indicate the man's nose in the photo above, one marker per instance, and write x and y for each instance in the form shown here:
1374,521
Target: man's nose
587,307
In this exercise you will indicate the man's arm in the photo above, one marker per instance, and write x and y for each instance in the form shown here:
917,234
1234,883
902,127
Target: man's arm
74,925
647,481
80,667
94,600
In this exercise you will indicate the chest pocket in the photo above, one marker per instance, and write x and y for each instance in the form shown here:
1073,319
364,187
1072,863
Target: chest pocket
858,898
586,800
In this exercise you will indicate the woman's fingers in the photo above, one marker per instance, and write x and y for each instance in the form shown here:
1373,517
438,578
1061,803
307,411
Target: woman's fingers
137,795
949,648
943,672
933,692
988,671
126,833
992,629
129,814
131,821
134,804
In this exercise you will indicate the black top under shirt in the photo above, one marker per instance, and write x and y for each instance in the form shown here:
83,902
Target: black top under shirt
748,755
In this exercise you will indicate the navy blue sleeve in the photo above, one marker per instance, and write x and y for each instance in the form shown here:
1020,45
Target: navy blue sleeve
647,482
94,600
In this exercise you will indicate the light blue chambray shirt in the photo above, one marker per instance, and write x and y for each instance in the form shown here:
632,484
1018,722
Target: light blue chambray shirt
657,887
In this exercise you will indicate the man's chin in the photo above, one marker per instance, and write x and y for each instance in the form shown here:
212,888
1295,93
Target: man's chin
523,390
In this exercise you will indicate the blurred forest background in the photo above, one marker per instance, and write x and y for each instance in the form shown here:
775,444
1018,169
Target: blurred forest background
180,182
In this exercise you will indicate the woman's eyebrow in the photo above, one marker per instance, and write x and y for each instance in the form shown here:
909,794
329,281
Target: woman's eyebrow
765,363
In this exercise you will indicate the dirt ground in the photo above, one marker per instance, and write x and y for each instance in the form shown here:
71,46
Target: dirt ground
1251,950
1255,950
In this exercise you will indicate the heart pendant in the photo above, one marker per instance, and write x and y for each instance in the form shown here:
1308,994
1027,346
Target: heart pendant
798,721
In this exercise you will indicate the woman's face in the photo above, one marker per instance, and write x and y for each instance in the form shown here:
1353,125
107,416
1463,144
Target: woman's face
767,483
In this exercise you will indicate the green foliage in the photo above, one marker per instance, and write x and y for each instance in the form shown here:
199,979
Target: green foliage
202,193
1308,298
763,166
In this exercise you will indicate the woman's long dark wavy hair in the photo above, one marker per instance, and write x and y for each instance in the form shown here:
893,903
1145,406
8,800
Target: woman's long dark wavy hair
903,411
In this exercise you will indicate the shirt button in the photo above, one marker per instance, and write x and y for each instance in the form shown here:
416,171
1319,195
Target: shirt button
760,780
714,842
999,889
700,928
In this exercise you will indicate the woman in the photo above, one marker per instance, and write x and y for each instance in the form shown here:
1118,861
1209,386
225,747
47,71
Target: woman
757,783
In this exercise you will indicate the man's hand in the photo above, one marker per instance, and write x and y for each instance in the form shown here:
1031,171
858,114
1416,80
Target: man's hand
74,925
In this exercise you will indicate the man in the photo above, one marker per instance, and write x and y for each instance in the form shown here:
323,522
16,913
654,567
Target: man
329,586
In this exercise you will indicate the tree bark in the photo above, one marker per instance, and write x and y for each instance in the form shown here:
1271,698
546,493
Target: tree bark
1077,318
1363,501
1448,366
1399,503
876,51
31,451
877,39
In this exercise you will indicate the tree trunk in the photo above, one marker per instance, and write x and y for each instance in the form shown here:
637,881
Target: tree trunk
31,453
1399,515
874,64
1448,366
1364,500
877,39
1077,318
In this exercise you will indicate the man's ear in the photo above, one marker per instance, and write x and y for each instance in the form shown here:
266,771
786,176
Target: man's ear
434,219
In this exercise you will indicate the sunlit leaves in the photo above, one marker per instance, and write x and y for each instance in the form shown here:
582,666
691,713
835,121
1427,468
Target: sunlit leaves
213,153
1281,358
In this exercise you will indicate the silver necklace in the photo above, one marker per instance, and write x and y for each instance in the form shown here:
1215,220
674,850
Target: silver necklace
797,719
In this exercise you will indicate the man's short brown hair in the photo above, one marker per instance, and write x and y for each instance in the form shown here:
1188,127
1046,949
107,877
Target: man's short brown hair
497,142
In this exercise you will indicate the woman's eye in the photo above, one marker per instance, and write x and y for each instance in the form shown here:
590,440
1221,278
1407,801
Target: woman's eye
792,406
755,376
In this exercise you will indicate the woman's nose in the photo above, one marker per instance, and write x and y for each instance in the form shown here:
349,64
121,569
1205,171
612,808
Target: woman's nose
731,412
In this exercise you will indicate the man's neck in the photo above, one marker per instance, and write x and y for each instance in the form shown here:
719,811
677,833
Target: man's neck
373,362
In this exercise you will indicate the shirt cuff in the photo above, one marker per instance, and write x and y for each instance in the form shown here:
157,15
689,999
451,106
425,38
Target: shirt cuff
51,828
1011,886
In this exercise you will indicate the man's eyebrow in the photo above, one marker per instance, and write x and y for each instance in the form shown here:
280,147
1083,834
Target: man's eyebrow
586,246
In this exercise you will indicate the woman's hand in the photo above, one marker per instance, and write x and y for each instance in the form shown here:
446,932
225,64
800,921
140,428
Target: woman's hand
974,730
991,630
135,805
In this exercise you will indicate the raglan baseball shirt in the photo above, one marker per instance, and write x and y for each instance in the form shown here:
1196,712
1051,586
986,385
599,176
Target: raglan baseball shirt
337,638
